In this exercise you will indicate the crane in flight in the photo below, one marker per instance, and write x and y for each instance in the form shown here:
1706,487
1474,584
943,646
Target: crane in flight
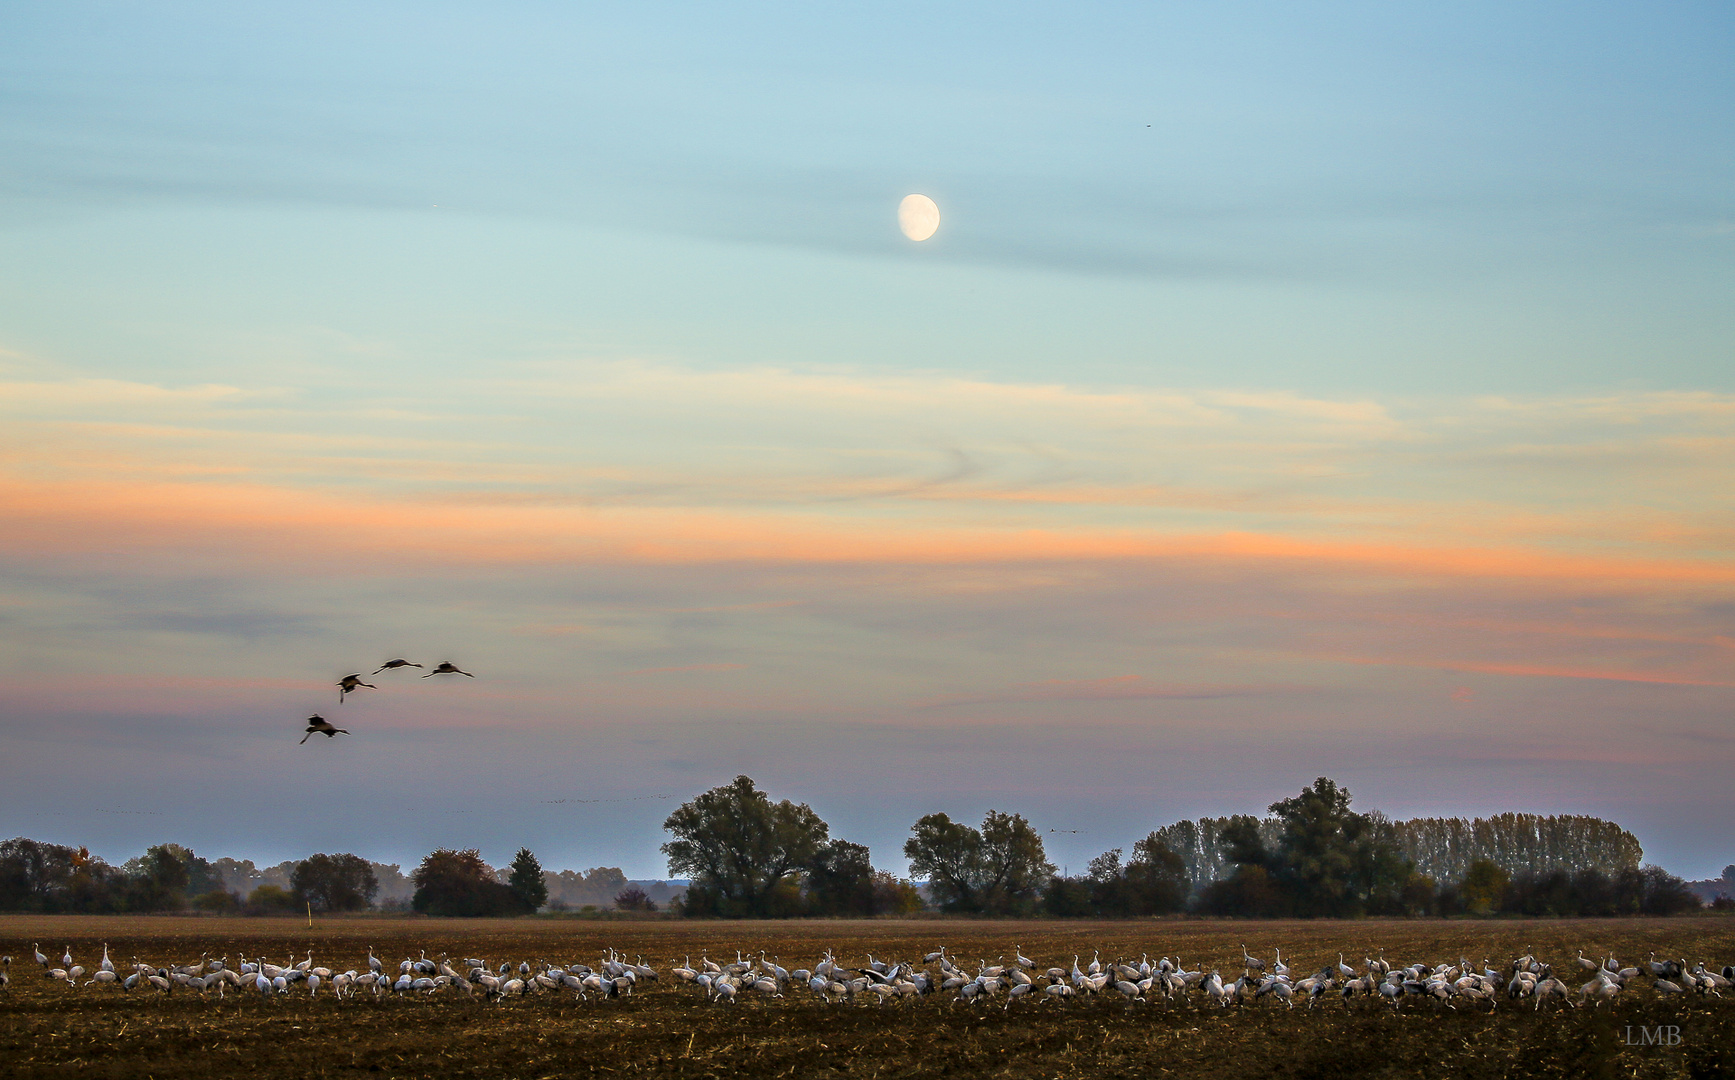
447,668
318,723
348,684
398,663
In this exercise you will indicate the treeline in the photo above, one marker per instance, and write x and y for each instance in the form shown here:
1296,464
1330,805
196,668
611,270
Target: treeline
1314,856
1440,848
53,878
1446,848
1311,856
241,877
1717,892
603,887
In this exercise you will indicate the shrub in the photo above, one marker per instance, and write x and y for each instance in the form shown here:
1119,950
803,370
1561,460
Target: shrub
633,898
217,900
271,900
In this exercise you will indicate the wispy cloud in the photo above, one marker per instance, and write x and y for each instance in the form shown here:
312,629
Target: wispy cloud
687,667
1112,688
631,460
1543,671
1203,546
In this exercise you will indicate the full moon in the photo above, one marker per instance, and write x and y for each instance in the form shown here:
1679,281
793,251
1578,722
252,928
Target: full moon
918,217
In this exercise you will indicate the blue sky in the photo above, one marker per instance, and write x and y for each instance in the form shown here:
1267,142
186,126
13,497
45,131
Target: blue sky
327,330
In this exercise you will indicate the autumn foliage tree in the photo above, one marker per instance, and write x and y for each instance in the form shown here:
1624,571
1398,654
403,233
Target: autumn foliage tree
1484,887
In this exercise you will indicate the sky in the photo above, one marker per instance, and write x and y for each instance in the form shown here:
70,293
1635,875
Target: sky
1337,390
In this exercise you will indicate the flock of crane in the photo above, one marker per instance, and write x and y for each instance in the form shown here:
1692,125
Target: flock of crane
349,684
613,977
1526,980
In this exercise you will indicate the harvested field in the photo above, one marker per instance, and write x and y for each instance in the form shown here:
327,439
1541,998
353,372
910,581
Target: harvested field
664,1029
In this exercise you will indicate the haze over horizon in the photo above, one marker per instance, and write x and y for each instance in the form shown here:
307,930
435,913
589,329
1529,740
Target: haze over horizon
1342,392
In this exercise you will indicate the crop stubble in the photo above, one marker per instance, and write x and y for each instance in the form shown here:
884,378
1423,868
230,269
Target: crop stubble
669,1030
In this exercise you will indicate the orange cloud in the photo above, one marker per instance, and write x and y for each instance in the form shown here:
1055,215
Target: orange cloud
241,520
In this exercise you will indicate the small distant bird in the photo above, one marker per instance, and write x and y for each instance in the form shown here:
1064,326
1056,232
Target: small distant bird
398,663
447,668
348,683
318,723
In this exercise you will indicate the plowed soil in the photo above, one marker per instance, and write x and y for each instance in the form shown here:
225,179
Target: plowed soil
665,1029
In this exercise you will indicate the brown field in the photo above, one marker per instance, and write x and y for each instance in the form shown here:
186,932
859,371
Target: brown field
50,1029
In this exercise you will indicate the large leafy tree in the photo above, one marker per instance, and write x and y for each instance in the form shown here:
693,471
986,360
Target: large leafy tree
334,882
526,880
948,854
1013,860
999,868
1332,861
459,883
1243,841
166,875
1249,889
51,877
33,875
1317,852
1156,878
840,880
741,849
1313,857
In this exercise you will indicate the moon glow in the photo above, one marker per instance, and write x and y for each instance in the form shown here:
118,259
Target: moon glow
918,217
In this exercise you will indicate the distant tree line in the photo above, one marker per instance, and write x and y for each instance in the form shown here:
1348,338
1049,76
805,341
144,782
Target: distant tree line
1440,848
53,878
241,877
1487,889
1445,848
1717,892
603,888
1310,856
1314,856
